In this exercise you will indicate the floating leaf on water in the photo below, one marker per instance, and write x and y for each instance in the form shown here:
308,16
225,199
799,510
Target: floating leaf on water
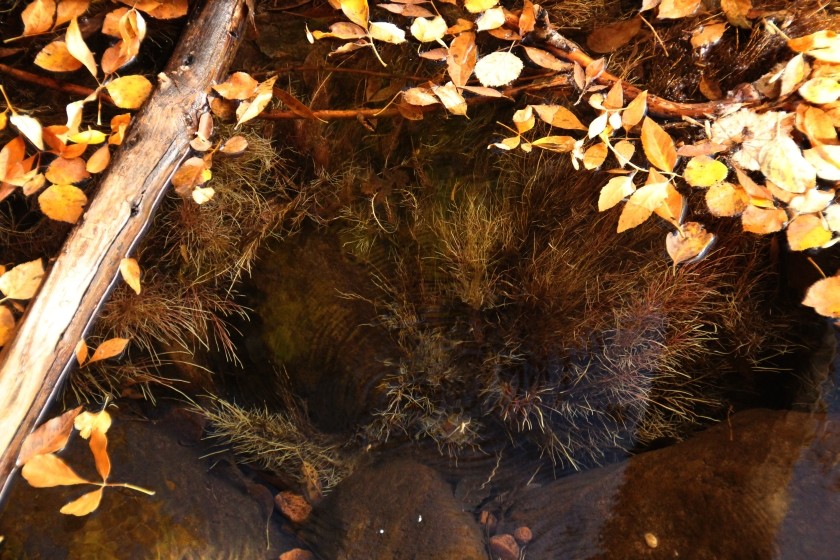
49,437
78,48
498,69
47,471
824,297
83,505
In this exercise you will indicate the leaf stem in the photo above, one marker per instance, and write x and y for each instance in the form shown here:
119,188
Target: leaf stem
131,487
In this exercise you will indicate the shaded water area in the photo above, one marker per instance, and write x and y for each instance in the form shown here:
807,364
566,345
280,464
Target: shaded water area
381,340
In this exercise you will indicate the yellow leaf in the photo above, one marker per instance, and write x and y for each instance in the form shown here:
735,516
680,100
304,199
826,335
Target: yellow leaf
88,137
624,151
22,281
78,48
490,19
356,11
7,325
239,85
674,9
29,127
595,155
427,30
88,422
38,17
478,6
64,203
388,32
108,349
807,232
763,220
49,437
822,45
129,92
56,58
203,194
703,171
796,71
66,171
658,146
84,505
636,109
99,160
560,144
130,271
47,471
99,449
559,116
615,191
632,215
726,199
451,98
524,119
820,91
824,297
251,109
689,244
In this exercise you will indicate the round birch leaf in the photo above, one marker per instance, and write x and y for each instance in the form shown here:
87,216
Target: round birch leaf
56,58
498,69
64,203
22,281
129,92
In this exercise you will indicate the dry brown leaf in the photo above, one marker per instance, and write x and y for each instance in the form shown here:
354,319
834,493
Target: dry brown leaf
616,190
356,11
763,220
595,156
675,9
635,111
658,145
7,325
63,171
234,145
726,200
129,92
22,281
119,124
707,35
81,352
420,96
558,116
83,505
528,18
64,203
108,349
49,437
462,58
807,231
262,96
47,471
130,271
78,48
38,17
611,37
689,244
710,88
99,160
451,98
56,58
88,422
460,26
824,297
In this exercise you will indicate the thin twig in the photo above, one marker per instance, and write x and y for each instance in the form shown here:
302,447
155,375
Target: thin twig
52,83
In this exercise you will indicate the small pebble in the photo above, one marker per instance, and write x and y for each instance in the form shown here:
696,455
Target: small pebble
523,535
651,540
293,506
504,547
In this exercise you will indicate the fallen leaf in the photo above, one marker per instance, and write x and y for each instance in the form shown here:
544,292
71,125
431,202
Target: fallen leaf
234,145
38,17
56,58
782,163
193,172
616,190
7,325
356,11
407,10
595,156
30,128
813,200
658,145
632,215
428,30
83,505
807,231
547,60
624,151
203,194
64,203
111,23
47,471
820,91
822,45
88,422
490,19
387,32
478,6
816,124
524,119
707,35
451,98
642,203
81,352
832,217
99,449
99,160
796,71
420,96
675,9
22,281
689,244
69,9
736,12
108,349
560,144
166,9
262,96
558,116
635,111
498,69
49,437
88,136
726,200
763,220
528,18
462,58
703,171
63,171
824,297
78,48
129,92
609,38
130,271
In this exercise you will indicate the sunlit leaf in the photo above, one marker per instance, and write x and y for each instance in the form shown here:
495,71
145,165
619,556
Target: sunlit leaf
624,151
616,190
820,90
356,11
66,171
84,505
99,160
635,111
234,145
22,281
595,155
129,92
38,17
387,32
796,71
64,203
763,220
822,45
462,58
81,352
689,244
7,325
807,232
451,98
49,437
736,12
498,69
528,18
47,471
658,145
703,171
813,200
559,116
69,9
262,96
824,297
78,48
130,271
707,35
726,199
108,349
560,144
239,85
524,119
675,9
782,163
29,127
546,59
478,6
427,30
420,96
56,58
99,449
88,422
490,19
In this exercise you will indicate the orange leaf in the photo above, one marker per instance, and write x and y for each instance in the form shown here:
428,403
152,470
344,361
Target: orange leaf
726,199
560,144
634,112
7,325
56,58
807,232
611,37
47,471
658,145
66,171
81,352
129,92
22,281
674,9
191,173
38,17
632,215
69,9
615,191
595,156
251,109
64,203
84,505
690,244
78,48
99,160
763,220
99,448
108,349
130,271
824,297
463,55
546,60
559,116
239,85
234,145
50,436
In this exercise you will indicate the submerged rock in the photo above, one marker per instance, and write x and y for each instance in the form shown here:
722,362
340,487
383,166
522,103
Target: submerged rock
395,510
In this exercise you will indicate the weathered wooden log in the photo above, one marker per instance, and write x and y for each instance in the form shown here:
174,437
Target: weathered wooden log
33,365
